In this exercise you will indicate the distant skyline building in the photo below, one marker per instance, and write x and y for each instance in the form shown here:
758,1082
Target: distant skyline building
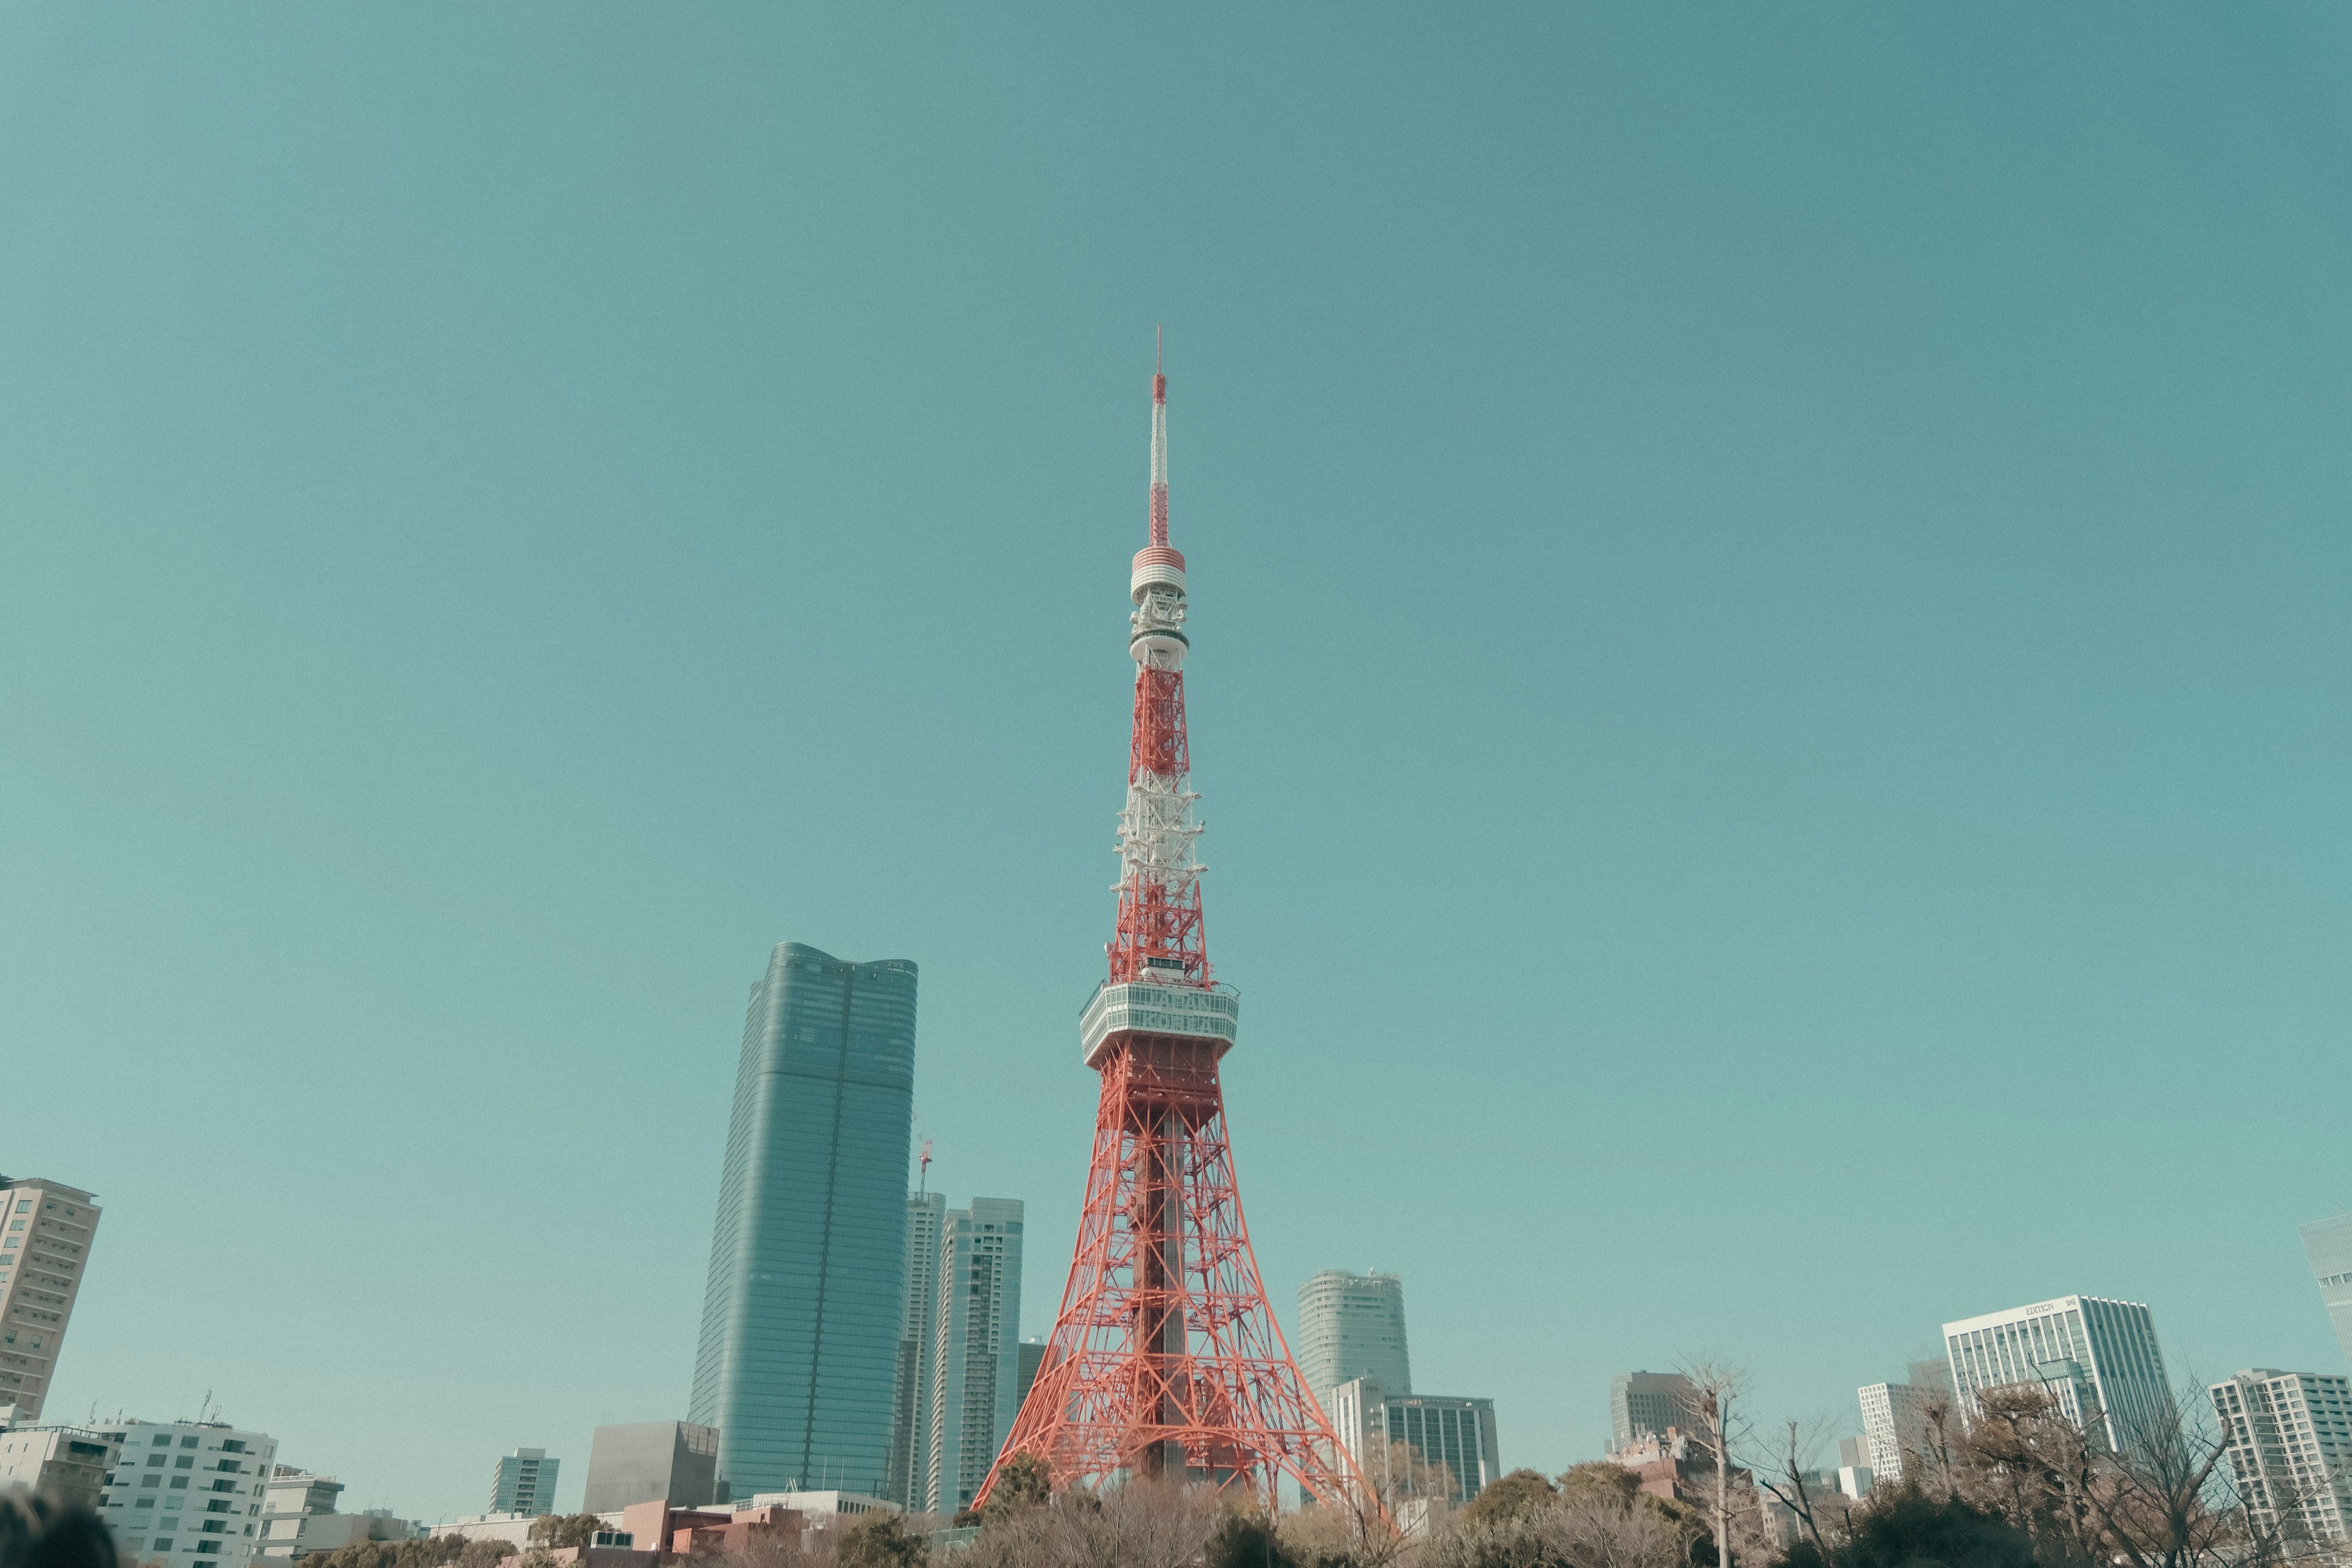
299,1517
675,1462
2098,1358
803,1305
46,1229
1645,1404
907,1481
975,1357
524,1482
1033,1356
1458,1434
1895,1425
2290,1437
189,1492
1353,1326
2328,1244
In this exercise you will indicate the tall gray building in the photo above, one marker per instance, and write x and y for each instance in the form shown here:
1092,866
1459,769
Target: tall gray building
2327,1242
908,1479
800,1316
2097,1358
674,1462
45,1229
1644,1403
1351,1326
975,1359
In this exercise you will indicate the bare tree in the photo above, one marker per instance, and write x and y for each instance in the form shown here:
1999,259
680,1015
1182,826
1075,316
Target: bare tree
1141,1524
1781,1474
1720,1386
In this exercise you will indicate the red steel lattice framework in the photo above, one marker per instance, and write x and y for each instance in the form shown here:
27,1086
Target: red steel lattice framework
1165,1359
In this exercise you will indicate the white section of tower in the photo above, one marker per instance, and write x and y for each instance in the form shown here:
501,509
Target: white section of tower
1155,835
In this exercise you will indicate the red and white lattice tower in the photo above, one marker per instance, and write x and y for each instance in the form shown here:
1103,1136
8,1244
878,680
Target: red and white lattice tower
1166,1360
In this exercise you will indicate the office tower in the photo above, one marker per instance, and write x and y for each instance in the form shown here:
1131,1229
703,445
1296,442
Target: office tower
2327,1242
975,1361
189,1492
2098,1358
908,1481
808,1256
1895,1424
674,1462
1458,1434
1644,1403
1351,1326
1855,1475
524,1483
2290,1436
1033,1356
68,1462
1165,1359
45,1234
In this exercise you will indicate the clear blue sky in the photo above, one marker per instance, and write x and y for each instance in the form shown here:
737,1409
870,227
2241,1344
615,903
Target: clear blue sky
1771,679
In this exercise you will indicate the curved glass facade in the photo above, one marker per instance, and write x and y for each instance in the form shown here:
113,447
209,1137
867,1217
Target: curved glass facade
799,1320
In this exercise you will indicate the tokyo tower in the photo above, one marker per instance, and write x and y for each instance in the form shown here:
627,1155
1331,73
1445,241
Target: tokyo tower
1165,1360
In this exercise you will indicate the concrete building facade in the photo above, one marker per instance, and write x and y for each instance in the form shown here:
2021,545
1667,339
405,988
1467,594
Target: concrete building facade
803,1305
68,1462
46,1229
1647,1404
1895,1425
189,1492
975,1356
674,1462
1351,1326
524,1482
1371,1424
2097,1358
2327,1244
2290,1444
299,1517
907,1481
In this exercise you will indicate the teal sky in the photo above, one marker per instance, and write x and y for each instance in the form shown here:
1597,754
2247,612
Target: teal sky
1771,682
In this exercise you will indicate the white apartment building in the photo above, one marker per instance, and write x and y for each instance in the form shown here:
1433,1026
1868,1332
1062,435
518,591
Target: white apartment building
2097,1358
299,1517
64,1461
45,1234
1351,1326
2290,1447
976,1350
187,1493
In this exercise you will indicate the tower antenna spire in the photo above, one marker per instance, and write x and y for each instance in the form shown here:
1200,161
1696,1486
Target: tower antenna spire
1158,445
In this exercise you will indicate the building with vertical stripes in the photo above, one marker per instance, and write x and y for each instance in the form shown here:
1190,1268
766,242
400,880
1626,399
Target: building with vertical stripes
2097,1358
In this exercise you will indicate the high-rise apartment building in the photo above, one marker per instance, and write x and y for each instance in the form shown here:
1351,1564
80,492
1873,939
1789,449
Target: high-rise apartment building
2097,1358
674,1462
1458,1434
45,1234
1644,1403
187,1493
1351,1326
524,1482
2327,1242
908,1481
66,1462
801,1315
2290,1437
975,1357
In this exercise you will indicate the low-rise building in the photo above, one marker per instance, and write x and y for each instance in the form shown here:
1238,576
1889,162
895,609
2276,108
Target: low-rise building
66,1462
674,1462
298,1517
189,1492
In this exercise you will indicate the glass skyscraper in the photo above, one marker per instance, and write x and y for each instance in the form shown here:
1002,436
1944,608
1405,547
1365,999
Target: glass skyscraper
1351,1326
801,1317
